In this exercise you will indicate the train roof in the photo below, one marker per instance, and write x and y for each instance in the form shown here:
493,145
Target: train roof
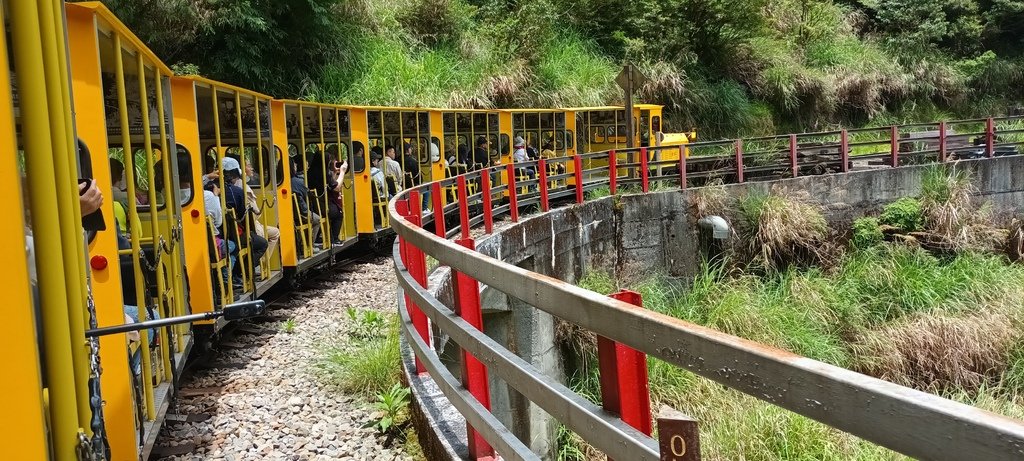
109,22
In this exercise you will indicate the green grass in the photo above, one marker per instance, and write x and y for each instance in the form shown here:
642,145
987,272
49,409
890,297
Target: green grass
819,315
366,367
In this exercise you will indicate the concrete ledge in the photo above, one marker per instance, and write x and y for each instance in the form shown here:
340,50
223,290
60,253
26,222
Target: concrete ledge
440,427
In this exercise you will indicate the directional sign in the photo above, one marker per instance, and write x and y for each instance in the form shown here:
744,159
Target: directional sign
629,72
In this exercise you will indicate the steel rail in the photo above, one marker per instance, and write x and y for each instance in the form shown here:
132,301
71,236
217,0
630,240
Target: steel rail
879,411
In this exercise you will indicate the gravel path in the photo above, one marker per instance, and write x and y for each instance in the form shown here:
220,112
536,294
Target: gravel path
272,405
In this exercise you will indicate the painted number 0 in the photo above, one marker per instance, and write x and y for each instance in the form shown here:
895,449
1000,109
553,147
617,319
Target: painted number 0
678,445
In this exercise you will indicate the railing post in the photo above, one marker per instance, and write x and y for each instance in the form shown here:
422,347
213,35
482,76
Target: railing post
416,263
844,151
485,189
578,173
894,145
682,167
542,178
613,171
474,373
792,156
439,225
643,170
942,142
463,206
739,160
623,376
678,436
513,204
990,138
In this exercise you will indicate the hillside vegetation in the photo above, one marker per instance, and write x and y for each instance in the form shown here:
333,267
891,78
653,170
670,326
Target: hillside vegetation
728,68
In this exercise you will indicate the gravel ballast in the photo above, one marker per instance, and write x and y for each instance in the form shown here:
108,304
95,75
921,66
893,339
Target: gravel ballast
269,402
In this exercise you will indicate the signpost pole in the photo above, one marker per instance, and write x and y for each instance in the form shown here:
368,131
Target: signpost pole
629,106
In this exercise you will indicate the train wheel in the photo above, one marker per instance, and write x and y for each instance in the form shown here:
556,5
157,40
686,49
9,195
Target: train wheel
382,244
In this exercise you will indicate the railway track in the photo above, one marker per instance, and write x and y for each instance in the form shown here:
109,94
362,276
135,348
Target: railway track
256,394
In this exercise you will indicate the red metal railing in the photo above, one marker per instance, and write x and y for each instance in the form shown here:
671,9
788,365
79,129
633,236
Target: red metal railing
545,183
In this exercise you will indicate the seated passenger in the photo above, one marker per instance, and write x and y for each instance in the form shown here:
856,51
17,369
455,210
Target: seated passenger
412,167
224,248
210,172
236,201
519,155
117,177
335,203
271,233
301,193
481,158
547,153
322,181
392,168
379,182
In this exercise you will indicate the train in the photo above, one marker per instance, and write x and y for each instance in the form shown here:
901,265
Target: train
145,209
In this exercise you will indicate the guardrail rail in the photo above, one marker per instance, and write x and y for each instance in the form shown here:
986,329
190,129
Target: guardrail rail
905,420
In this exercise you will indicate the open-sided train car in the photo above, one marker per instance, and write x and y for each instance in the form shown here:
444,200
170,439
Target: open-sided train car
212,195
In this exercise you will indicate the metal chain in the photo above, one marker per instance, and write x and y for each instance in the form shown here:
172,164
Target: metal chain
96,449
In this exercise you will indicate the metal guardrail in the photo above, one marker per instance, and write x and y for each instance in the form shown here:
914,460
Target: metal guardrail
908,421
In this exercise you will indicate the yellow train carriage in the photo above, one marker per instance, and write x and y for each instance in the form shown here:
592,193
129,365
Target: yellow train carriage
604,128
137,259
321,221
47,308
223,125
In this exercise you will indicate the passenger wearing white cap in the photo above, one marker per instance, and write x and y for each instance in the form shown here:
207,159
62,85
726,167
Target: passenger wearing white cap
519,155
235,199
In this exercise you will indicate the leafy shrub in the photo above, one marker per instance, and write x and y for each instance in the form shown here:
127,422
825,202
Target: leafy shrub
866,232
391,405
905,214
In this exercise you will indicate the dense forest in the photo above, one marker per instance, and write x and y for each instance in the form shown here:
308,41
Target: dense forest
725,67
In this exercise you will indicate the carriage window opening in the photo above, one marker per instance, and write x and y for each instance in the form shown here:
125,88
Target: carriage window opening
463,122
421,150
505,145
656,123
359,160
568,139
186,188
140,176
495,151
435,150
278,167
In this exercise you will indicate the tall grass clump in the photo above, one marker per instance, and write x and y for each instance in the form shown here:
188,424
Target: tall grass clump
949,325
951,214
939,351
367,367
781,231
571,73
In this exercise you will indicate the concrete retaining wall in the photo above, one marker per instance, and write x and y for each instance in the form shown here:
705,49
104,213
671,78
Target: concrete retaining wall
636,234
